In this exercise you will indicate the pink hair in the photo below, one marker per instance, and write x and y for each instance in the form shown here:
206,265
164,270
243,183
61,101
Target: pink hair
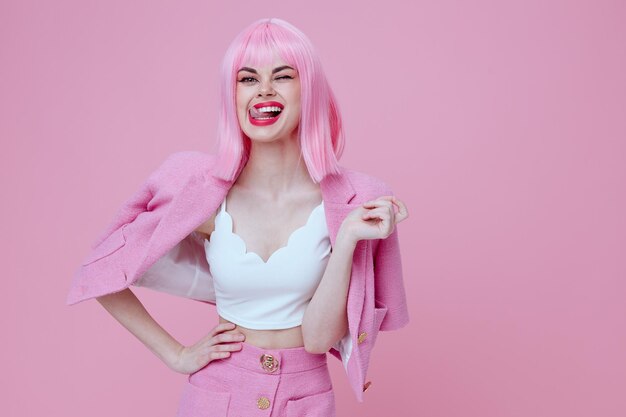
320,132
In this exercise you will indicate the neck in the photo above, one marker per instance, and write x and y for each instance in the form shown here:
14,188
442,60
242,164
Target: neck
275,168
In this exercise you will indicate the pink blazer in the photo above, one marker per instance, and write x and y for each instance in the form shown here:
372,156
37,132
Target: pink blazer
151,242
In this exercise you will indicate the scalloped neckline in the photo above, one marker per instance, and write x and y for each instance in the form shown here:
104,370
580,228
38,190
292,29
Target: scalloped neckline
282,248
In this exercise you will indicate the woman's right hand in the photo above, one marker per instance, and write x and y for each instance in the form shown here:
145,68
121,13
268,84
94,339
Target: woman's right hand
215,345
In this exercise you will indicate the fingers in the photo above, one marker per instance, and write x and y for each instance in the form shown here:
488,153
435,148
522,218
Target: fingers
217,334
224,345
403,213
227,337
221,328
381,208
220,345
382,213
218,355
223,350
389,201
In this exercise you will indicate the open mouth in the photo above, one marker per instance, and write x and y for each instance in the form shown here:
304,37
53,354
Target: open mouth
263,114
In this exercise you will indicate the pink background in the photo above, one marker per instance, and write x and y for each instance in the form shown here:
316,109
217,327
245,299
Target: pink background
500,124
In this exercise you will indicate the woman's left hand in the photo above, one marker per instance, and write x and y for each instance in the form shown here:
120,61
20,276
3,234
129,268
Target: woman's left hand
374,219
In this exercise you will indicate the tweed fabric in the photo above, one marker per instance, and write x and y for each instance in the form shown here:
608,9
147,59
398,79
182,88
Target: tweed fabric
241,386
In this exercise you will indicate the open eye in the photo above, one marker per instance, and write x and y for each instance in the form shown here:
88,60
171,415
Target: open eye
248,80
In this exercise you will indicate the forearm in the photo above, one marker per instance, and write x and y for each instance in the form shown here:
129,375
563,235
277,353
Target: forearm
130,312
325,319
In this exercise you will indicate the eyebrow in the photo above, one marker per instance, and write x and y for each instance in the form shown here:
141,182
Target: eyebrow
275,70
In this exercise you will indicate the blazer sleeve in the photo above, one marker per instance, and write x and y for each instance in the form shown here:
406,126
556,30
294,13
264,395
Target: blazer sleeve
139,201
388,280
129,210
102,271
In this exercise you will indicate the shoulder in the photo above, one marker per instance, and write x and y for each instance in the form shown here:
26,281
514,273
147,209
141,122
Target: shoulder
181,165
177,169
367,186
187,161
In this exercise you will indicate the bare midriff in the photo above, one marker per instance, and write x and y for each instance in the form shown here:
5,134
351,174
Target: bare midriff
269,339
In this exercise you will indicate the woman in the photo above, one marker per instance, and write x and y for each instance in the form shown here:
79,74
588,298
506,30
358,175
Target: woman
280,274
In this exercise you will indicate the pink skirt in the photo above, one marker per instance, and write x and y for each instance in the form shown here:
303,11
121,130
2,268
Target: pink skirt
254,381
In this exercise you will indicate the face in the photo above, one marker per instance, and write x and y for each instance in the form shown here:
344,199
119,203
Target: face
268,101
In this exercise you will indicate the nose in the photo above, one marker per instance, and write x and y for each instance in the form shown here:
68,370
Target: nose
265,88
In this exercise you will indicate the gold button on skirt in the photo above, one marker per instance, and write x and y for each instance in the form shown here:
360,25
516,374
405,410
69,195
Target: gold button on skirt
263,403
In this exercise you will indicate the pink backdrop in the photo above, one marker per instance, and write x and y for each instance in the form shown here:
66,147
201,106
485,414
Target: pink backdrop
500,124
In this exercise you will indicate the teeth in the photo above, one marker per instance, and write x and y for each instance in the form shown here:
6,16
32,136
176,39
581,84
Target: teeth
269,109
265,113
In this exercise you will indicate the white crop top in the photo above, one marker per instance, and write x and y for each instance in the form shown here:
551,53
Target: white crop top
273,294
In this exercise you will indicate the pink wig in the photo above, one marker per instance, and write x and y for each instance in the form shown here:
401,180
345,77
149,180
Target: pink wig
320,132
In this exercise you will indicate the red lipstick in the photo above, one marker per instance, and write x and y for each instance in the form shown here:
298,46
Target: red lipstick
266,118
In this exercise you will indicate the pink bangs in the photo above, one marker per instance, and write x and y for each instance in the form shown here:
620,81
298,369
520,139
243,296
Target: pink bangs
320,131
